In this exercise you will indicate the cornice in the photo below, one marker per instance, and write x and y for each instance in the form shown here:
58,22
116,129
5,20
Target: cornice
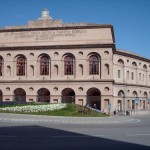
132,56
56,81
129,84
59,47
55,28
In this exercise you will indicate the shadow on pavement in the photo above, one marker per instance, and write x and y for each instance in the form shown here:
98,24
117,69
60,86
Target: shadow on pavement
42,138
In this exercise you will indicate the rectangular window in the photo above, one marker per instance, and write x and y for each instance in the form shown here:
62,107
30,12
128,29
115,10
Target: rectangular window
139,76
132,76
127,74
119,74
0,70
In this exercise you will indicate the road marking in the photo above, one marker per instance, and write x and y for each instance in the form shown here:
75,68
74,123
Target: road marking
135,120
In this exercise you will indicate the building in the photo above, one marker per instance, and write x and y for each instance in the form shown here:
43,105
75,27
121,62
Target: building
51,61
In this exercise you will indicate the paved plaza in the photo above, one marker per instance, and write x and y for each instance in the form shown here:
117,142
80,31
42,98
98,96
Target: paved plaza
20,131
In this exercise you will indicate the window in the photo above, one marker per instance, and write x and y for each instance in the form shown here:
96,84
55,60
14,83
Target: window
107,69
81,69
44,66
93,65
68,65
139,76
119,74
1,66
127,74
21,66
132,76
56,70
32,70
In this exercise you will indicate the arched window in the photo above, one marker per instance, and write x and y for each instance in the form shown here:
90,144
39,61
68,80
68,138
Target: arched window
121,62
44,65
144,67
21,65
145,95
68,65
121,93
134,64
93,65
134,94
1,66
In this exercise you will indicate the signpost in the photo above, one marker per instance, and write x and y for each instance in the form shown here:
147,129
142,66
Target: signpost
109,108
148,100
136,103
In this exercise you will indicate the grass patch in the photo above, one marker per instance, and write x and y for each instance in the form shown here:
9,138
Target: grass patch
69,110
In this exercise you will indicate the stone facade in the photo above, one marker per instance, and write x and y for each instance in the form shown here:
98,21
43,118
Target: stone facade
50,61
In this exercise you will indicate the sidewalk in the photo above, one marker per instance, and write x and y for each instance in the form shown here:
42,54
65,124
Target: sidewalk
133,113
38,119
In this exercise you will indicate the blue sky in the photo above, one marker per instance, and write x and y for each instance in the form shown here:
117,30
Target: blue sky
130,18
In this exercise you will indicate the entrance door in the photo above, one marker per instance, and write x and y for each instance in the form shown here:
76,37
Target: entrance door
94,98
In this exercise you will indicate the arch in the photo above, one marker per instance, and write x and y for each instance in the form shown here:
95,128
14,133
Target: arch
1,65
44,65
145,67
121,93
68,96
19,95
135,94
94,98
145,95
134,64
20,65
69,64
106,52
120,101
120,62
1,96
93,65
43,95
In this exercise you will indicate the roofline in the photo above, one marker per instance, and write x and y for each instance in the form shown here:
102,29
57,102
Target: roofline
132,56
54,28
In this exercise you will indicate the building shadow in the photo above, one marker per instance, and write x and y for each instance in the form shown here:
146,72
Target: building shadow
43,138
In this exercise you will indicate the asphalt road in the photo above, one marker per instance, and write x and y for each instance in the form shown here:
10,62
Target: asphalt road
25,135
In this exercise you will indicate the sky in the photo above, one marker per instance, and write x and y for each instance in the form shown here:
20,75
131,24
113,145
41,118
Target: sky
130,18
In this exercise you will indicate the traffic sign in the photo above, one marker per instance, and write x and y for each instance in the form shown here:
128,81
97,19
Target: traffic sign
137,101
109,106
